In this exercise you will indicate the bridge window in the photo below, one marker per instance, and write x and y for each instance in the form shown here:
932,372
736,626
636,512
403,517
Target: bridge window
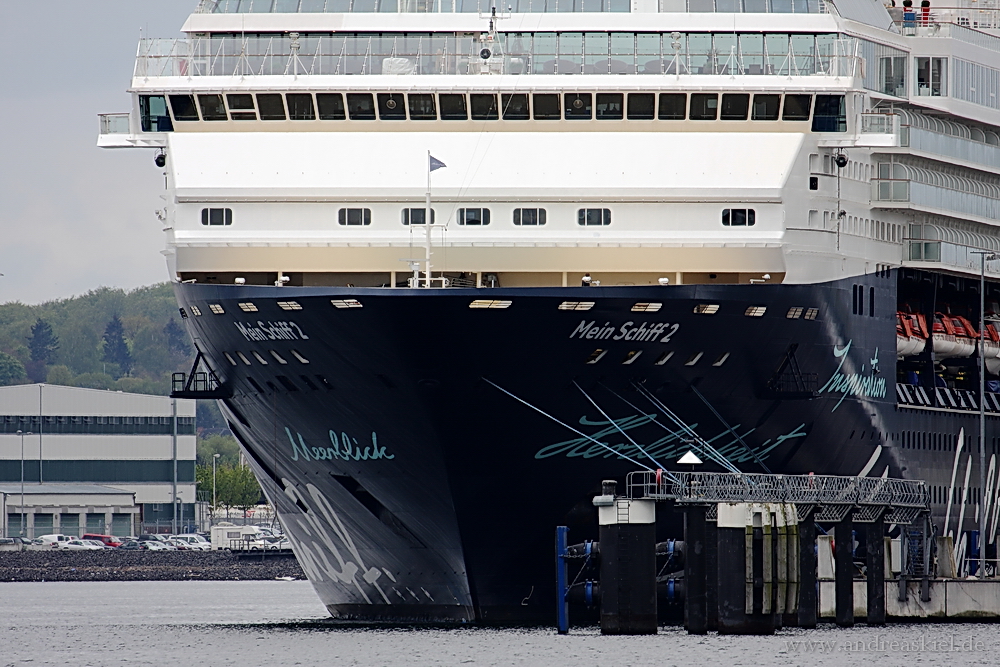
153,115
515,107
453,107
331,106
183,107
932,76
300,106
484,107
641,106
422,107
529,216
416,216
765,107
830,114
212,107
216,216
473,216
360,106
673,106
593,217
735,106
355,216
271,106
704,106
546,107
797,107
241,107
739,217
609,106
579,106
391,106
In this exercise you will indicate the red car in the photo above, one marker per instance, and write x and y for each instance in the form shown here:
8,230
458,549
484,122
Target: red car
109,540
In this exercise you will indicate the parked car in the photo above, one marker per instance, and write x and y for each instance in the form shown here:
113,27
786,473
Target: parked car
195,542
11,544
156,545
55,537
109,540
180,545
277,543
133,545
77,545
96,543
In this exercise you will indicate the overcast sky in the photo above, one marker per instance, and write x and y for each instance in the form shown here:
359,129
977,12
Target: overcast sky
74,217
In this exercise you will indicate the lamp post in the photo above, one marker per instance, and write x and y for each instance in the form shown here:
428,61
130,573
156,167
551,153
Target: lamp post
215,458
21,433
983,256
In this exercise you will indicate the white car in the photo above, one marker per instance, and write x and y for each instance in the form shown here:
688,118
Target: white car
97,543
78,545
195,542
156,545
54,538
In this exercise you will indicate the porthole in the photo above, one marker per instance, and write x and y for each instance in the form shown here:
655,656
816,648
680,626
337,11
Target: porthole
706,309
812,313
216,308
289,305
248,307
755,311
196,311
794,313
576,305
490,303
646,307
346,303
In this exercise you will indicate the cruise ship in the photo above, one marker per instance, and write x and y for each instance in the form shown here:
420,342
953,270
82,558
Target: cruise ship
448,264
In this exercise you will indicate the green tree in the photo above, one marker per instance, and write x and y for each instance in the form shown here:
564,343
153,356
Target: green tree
60,374
236,487
11,370
223,445
177,340
115,348
42,344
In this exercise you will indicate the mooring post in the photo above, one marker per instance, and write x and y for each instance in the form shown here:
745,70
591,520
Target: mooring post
843,536
695,579
876,572
628,565
711,575
562,604
807,570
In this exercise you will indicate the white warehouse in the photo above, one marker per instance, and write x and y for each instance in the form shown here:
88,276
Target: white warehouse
101,442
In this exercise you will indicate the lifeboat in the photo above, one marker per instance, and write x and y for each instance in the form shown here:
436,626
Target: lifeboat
991,348
911,334
953,337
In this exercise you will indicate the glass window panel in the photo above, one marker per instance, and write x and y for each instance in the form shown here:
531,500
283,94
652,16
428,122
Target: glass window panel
755,6
701,5
183,107
546,106
484,107
546,50
473,216
271,106
825,45
153,114
391,106
623,53
515,106
735,106
752,53
529,216
360,106
212,107
830,114
704,106
797,107
453,107
781,6
727,55
647,49
728,6
579,106
765,106
641,106
596,60
570,53
417,216
804,52
776,48
699,47
422,106
331,106
300,106
673,106
610,106
240,102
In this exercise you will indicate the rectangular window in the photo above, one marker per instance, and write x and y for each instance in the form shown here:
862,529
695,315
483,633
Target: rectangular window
797,107
473,216
765,107
610,106
216,216
641,106
271,106
735,106
673,106
546,107
422,106
515,107
484,107
361,106
579,106
241,106
212,107
931,76
593,217
453,107
183,107
529,216
391,107
739,217
704,106
355,216
331,106
830,114
417,216
153,116
892,75
300,106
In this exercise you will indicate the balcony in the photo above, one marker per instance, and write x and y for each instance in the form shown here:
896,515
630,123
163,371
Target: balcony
935,246
116,132
114,123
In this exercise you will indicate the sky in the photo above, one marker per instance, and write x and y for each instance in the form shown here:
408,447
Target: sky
74,217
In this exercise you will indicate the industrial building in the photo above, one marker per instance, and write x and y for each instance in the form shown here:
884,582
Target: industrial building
94,460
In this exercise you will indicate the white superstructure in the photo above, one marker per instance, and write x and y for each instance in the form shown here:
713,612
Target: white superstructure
697,141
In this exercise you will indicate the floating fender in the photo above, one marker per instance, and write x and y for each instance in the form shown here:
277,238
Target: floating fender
585,592
674,550
584,549
670,590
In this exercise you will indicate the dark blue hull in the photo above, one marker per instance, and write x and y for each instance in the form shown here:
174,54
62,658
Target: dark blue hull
414,485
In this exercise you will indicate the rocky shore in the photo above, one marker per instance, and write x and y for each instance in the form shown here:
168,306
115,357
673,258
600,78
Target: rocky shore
115,565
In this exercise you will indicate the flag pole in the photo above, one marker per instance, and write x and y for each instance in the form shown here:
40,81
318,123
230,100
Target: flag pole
427,226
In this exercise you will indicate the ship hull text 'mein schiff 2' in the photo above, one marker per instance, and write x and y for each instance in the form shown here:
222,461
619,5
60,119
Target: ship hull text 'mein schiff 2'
777,205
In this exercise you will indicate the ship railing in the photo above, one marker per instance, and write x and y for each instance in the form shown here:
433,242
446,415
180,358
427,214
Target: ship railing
432,282
962,23
955,255
948,398
114,123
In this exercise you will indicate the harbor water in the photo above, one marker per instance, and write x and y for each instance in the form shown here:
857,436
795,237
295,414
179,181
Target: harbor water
249,623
